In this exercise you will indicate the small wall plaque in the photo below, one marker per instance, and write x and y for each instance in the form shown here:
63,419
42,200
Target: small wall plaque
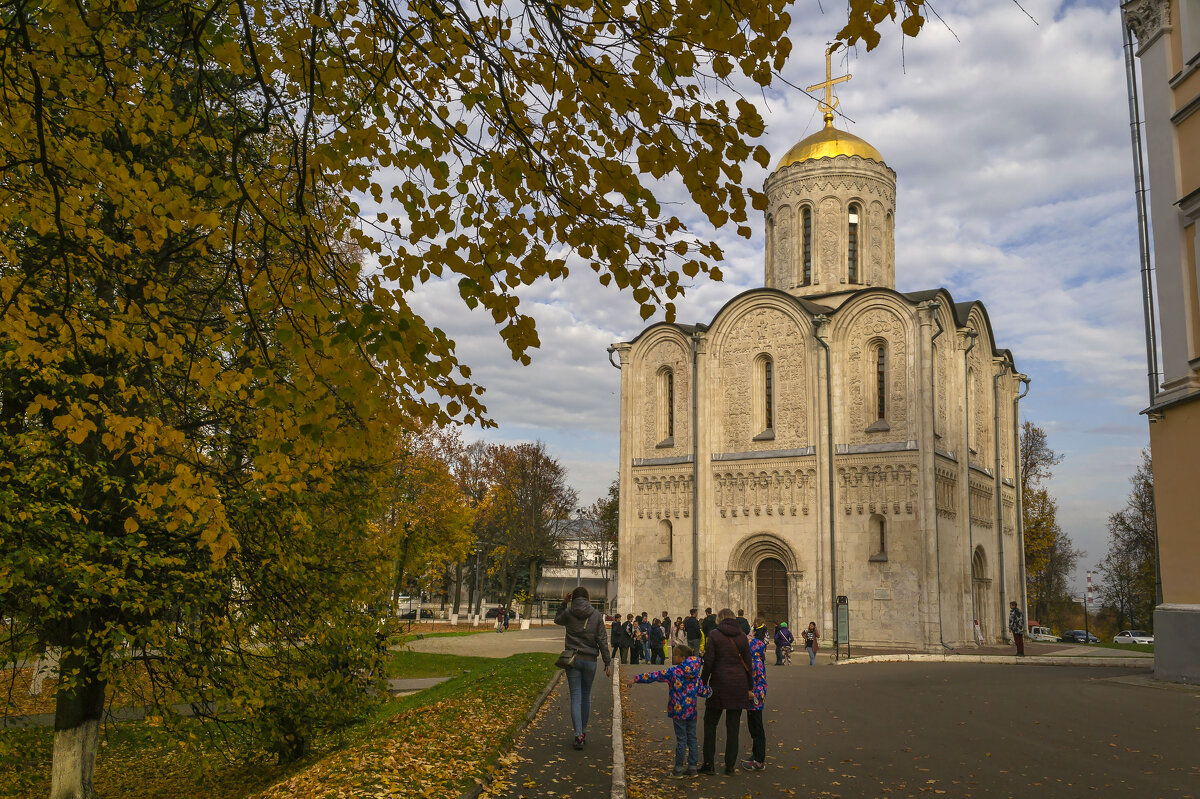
883,593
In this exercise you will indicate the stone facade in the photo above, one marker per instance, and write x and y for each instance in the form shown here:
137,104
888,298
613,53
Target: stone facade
733,508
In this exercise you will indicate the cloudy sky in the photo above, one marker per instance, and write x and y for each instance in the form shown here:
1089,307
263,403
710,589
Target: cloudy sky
1010,140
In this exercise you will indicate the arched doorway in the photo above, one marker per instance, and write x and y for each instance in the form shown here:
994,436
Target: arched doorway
980,583
771,590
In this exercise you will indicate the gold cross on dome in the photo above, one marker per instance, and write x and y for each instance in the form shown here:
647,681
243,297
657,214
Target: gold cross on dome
830,102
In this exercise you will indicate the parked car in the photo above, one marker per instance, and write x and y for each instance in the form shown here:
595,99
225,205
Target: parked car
1042,634
416,613
1133,637
494,612
1079,637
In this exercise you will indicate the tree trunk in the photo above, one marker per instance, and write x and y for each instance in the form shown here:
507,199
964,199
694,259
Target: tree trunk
457,586
77,716
533,587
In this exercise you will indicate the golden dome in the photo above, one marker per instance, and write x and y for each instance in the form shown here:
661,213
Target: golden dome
827,143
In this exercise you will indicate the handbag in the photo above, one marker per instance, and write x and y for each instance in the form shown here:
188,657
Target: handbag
567,659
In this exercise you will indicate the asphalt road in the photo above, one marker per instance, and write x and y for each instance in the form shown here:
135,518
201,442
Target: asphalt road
961,730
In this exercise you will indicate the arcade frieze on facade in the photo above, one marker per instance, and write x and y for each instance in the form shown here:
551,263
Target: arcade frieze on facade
662,495
983,508
869,486
946,490
765,489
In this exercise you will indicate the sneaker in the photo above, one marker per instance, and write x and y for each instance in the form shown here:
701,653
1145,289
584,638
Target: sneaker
707,769
692,771
578,742
729,772
678,774
753,765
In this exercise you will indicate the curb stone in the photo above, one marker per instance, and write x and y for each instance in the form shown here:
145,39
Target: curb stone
1010,660
486,780
618,742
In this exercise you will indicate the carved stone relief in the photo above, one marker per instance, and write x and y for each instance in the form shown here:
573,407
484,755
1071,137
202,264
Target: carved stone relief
662,495
874,324
784,251
946,491
770,331
765,489
841,184
980,392
883,488
875,269
670,354
1147,19
829,223
1008,499
941,399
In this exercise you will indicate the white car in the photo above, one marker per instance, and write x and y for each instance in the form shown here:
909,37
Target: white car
1133,637
1041,634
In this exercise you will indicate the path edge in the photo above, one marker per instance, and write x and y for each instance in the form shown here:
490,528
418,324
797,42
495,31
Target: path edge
486,780
1009,660
618,741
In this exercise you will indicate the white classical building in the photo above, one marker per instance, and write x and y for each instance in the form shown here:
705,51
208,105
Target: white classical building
825,435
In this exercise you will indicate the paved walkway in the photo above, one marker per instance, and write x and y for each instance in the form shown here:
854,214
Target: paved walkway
955,729
493,644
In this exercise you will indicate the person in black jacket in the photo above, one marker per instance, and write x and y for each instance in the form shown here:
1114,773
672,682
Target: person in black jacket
618,651
728,673
709,623
657,637
629,641
691,626
743,622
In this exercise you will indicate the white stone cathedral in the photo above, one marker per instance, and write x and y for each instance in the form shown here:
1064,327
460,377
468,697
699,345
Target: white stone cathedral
825,436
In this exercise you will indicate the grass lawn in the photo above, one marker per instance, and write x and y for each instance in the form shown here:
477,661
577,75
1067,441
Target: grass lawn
434,743
1148,648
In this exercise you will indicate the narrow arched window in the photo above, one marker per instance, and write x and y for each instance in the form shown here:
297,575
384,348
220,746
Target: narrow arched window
878,532
852,243
764,392
806,233
881,381
666,407
666,540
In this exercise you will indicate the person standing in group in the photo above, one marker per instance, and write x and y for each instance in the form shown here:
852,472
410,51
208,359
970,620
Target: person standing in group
585,635
1016,626
617,638
679,634
743,622
657,638
810,636
708,623
629,641
754,716
727,672
683,686
500,618
783,644
695,636
643,624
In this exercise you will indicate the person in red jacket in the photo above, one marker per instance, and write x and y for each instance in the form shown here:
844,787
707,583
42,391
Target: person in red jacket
727,672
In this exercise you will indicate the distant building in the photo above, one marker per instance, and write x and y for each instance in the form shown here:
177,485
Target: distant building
586,559
1168,41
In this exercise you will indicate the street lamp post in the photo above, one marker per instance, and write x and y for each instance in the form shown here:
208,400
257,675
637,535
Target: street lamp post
579,550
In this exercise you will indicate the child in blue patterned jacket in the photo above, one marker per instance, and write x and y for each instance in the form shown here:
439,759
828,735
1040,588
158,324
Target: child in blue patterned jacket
684,686
754,717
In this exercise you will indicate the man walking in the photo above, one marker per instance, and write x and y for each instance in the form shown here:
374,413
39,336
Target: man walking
1016,626
743,622
691,627
709,623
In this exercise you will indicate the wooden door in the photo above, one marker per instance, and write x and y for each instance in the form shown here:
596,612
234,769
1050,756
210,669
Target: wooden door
771,585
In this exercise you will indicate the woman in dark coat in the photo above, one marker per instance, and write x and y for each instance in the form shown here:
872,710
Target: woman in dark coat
727,672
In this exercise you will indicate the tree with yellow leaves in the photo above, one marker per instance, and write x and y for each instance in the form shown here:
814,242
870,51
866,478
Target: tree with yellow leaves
197,373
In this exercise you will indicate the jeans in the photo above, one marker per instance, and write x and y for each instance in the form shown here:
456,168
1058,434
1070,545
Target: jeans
812,656
758,734
694,645
685,743
579,681
733,724
646,650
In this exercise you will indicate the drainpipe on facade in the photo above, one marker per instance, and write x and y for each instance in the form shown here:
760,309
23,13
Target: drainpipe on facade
1004,369
1017,489
973,335
1139,194
937,533
822,322
695,468
614,583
